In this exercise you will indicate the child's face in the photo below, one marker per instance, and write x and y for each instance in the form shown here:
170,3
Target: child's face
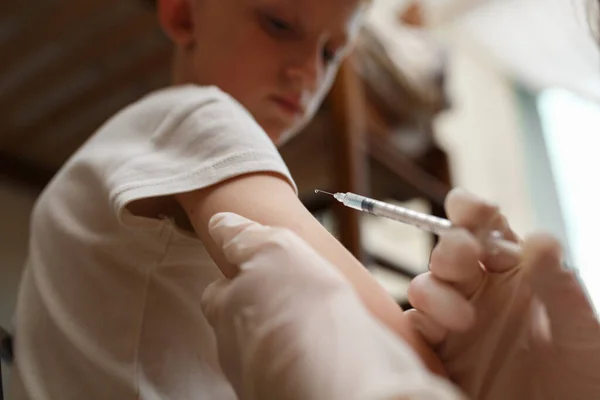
276,57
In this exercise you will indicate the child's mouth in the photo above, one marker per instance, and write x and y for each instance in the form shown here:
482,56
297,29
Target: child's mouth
288,105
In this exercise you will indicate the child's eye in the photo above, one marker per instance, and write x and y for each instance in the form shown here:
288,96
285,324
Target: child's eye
279,24
278,28
328,55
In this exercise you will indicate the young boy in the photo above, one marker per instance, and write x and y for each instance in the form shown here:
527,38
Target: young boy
119,252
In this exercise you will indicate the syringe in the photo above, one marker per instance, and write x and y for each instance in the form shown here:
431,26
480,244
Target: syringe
493,241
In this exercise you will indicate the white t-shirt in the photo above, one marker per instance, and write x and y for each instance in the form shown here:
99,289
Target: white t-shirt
109,305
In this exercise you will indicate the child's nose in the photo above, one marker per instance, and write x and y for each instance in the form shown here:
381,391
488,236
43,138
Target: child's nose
306,68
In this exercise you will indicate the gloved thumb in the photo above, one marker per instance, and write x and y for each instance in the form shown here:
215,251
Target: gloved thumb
213,299
570,313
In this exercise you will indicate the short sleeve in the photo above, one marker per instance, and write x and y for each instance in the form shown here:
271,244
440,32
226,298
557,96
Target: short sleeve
207,139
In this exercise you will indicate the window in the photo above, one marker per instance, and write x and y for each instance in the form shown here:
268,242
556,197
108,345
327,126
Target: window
571,131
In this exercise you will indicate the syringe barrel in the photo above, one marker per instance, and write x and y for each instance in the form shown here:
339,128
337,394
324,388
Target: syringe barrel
352,200
426,222
492,241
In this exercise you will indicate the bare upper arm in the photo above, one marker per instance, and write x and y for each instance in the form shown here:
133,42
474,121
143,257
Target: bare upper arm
270,200
263,197
259,196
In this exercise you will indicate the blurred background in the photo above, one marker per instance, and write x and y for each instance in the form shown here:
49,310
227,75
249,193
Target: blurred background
499,97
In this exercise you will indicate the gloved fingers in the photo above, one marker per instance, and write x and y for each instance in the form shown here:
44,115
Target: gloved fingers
273,263
499,261
229,229
469,211
225,226
213,298
571,314
455,260
244,242
431,331
442,302
481,219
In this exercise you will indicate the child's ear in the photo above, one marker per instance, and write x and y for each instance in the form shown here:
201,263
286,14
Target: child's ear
176,20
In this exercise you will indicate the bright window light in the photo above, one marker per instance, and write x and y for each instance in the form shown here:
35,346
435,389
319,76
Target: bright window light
571,128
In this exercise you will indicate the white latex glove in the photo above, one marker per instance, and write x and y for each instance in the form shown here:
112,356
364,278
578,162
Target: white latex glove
290,327
504,329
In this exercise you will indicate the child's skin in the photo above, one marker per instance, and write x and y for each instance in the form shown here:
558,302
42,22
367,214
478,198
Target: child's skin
278,58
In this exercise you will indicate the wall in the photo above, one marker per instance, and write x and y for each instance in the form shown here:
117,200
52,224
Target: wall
483,132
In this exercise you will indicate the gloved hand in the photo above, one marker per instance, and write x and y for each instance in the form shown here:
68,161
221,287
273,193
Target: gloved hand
290,327
506,329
